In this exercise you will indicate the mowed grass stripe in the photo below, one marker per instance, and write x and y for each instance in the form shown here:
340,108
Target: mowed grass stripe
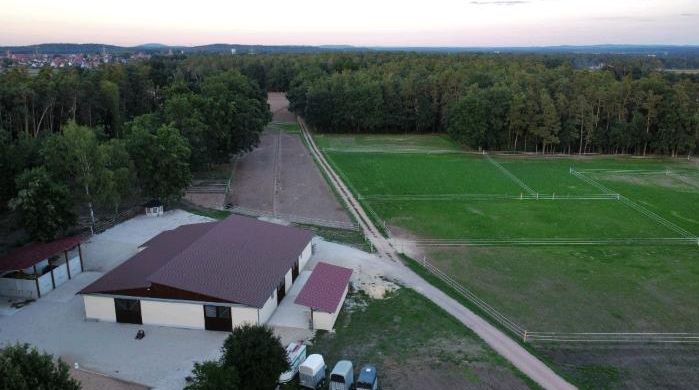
398,174
509,219
386,143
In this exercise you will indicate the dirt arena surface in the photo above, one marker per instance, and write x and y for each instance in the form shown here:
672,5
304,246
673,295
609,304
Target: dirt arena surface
279,106
280,176
206,199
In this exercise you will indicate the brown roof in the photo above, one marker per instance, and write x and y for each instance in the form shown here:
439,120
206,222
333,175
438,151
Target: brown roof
238,260
133,273
324,288
33,253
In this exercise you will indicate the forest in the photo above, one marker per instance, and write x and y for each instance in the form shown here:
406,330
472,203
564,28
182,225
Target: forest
542,103
74,142
93,138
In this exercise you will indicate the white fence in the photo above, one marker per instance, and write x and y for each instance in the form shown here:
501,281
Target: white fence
465,242
558,337
456,197
295,218
495,315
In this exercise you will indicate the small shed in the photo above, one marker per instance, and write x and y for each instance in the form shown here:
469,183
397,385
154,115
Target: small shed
154,208
35,269
324,293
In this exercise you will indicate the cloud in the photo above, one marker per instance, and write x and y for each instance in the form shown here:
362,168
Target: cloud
501,2
621,18
689,15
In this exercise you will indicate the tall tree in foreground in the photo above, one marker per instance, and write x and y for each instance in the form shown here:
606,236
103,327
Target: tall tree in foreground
257,355
25,368
44,206
253,358
214,376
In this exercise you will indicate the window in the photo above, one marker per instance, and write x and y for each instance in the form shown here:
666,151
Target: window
211,311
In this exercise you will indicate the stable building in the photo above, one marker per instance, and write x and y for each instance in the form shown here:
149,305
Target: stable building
34,270
214,276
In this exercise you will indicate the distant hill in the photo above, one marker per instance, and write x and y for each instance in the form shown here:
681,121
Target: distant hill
70,48
151,46
91,48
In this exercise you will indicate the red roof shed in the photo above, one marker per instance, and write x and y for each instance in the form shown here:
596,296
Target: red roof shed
325,287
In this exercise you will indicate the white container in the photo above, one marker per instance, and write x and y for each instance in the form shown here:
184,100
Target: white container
312,372
295,354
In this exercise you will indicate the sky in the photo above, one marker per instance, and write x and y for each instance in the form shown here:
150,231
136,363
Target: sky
356,22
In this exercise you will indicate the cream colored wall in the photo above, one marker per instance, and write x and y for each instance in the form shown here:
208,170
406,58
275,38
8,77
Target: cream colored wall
326,321
175,314
243,315
269,307
288,281
99,308
305,255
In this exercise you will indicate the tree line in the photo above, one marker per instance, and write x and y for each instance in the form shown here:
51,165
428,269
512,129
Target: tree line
73,141
506,103
514,102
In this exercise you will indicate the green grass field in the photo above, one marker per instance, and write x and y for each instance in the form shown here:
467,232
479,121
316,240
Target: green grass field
415,345
425,188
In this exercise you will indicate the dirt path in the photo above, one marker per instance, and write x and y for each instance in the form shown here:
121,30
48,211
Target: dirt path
277,174
499,341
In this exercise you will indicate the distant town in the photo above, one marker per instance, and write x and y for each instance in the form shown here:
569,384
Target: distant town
37,60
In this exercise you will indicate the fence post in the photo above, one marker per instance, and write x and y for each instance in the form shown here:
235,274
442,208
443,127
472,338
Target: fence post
525,336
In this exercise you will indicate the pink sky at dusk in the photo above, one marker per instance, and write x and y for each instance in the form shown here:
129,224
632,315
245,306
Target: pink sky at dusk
360,22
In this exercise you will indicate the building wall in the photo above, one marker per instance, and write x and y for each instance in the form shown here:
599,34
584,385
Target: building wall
242,315
99,308
326,321
45,284
269,307
288,281
74,265
60,274
305,255
20,288
176,314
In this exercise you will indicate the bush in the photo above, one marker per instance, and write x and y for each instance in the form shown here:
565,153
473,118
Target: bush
23,367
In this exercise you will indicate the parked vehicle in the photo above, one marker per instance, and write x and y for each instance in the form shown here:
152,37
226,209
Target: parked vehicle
367,379
312,372
295,353
342,376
